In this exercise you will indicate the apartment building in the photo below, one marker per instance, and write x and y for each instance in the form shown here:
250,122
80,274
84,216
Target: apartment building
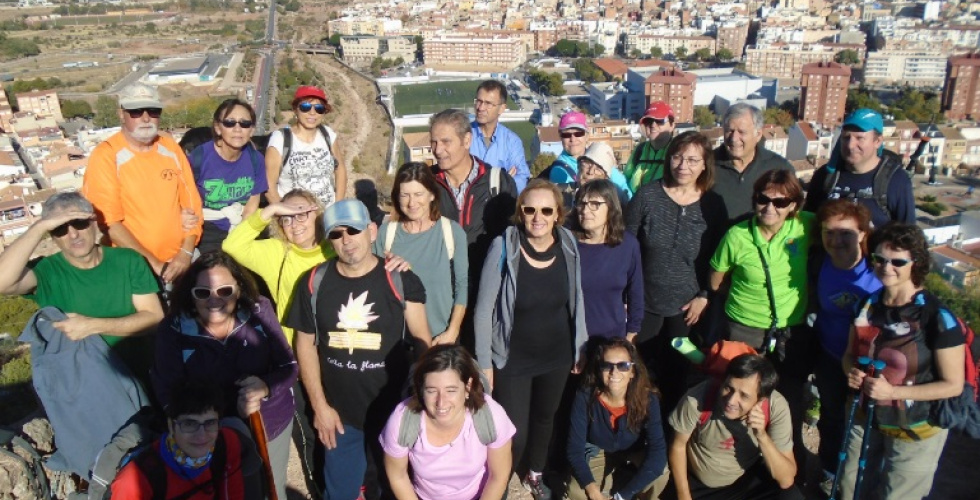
786,60
961,92
6,112
823,93
364,49
416,146
955,146
732,36
42,103
455,51
921,67
676,88
668,43
808,141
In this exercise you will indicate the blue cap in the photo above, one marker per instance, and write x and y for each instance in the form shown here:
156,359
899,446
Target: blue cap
866,120
347,213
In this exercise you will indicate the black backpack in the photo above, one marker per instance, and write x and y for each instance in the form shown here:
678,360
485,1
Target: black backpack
155,471
287,142
891,163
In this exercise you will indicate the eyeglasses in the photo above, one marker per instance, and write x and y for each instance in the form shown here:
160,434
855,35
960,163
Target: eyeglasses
622,366
305,107
763,200
651,121
569,135
287,220
592,204
480,103
241,123
881,260
78,224
190,426
138,113
339,233
545,211
205,293
690,160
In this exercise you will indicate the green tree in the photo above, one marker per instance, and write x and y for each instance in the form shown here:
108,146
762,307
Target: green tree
635,53
541,162
657,52
724,55
76,109
776,116
556,85
703,54
963,302
587,71
861,97
915,105
15,48
681,52
704,117
106,112
334,40
848,57
565,48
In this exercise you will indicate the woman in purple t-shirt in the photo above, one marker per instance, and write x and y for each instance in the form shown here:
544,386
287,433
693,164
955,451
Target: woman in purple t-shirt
452,418
229,172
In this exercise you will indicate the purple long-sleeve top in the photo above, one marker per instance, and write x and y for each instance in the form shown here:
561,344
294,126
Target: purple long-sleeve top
612,284
256,347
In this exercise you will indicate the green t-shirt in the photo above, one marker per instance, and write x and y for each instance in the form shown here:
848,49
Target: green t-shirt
105,291
786,254
645,165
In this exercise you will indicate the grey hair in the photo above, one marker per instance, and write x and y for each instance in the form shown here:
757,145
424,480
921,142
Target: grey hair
739,109
456,118
68,201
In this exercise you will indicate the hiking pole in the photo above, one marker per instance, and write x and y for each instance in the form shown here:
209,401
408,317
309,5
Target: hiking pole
863,363
874,370
261,441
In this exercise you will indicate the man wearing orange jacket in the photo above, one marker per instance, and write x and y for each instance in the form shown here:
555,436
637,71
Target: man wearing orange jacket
143,189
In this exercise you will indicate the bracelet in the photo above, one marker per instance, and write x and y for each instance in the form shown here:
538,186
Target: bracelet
190,254
703,294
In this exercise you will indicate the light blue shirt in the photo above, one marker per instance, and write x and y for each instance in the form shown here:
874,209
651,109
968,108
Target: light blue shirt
562,176
506,151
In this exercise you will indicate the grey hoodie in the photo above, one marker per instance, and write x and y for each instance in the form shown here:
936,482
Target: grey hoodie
494,319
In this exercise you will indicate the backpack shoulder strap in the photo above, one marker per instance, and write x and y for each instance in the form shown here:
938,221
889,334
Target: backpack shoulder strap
494,181
149,463
287,144
883,177
326,137
196,159
709,402
447,237
409,428
830,181
258,161
397,285
486,429
390,231
316,278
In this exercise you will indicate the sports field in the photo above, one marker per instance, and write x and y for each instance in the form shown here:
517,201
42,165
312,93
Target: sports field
525,130
426,98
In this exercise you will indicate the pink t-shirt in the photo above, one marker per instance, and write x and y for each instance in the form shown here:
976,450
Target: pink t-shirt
456,471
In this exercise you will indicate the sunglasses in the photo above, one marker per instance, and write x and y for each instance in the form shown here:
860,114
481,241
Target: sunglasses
227,123
190,426
593,205
569,135
652,121
305,107
622,366
205,293
78,224
138,113
287,220
763,200
881,260
339,233
545,211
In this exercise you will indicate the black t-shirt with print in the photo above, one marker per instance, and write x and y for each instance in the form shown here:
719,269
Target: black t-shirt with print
363,363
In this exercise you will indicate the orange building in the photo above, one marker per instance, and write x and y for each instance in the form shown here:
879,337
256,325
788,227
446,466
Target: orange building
961,93
676,88
824,93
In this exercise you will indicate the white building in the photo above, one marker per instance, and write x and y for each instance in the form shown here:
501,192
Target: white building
916,67
725,83
611,100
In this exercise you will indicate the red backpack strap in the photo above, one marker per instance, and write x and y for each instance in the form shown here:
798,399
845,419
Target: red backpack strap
709,402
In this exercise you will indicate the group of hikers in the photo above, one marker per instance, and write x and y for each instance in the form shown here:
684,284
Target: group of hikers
493,323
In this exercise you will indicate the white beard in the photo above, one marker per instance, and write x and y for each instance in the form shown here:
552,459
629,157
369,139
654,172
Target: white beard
145,133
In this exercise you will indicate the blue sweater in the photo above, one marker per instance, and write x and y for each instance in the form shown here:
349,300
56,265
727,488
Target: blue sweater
612,277
590,425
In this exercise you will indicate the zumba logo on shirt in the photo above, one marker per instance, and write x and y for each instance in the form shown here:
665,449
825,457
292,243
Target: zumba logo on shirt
354,317
220,194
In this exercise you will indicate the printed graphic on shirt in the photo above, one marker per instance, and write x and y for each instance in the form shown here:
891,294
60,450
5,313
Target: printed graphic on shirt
220,194
312,170
846,192
844,299
354,317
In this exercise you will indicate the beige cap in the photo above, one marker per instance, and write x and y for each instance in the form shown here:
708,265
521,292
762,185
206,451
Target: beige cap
601,153
139,96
